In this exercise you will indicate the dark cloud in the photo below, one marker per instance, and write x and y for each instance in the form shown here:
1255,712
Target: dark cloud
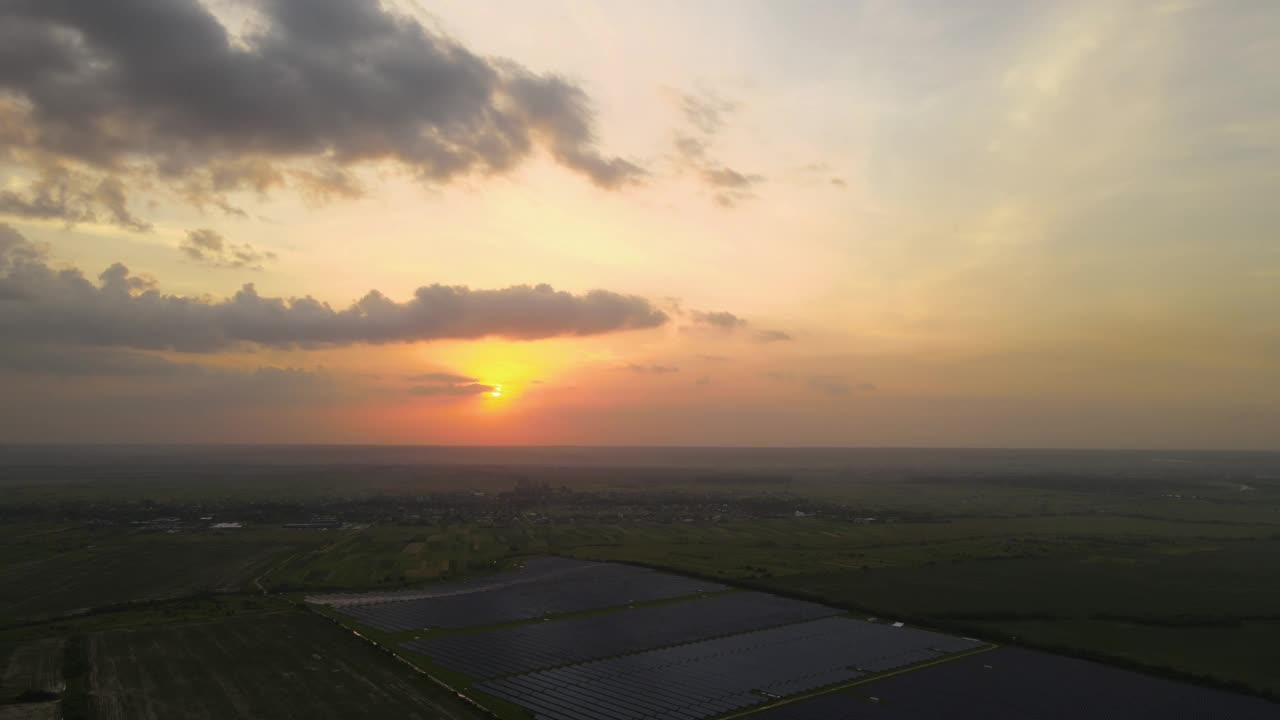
161,89
62,306
441,377
839,182
867,387
652,369
59,194
771,336
209,247
718,319
451,390
16,249
704,380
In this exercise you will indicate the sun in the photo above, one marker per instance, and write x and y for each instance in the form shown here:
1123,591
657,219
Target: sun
496,392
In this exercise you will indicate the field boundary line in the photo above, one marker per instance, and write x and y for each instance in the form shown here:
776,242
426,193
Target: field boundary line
457,693
860,681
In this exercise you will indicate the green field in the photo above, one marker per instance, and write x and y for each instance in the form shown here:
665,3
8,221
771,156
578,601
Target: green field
393,557
32,711
1164,593
292,664
61,573
213,657
1179,576
1199,599
31,669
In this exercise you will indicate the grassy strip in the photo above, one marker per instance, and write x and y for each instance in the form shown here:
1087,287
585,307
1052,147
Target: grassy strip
77,699
203,607
859,681
390,650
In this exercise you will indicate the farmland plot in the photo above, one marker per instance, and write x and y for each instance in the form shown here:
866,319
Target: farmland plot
293,665
126,571
31,711
33,667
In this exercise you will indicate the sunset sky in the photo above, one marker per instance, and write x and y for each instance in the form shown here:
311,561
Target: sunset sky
888,222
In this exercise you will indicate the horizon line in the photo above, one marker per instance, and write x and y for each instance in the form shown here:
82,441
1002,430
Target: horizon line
531,446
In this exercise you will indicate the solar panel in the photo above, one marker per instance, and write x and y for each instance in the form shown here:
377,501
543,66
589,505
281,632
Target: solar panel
508,651
1018,684
710,677
574,587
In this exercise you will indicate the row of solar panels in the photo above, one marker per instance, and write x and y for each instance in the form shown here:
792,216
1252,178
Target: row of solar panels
1018,684
714,676
524,648
588,586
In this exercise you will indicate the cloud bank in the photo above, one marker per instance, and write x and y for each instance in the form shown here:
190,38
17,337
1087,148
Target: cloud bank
316,87
45,305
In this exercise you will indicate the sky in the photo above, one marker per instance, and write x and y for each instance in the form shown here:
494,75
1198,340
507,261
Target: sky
999,223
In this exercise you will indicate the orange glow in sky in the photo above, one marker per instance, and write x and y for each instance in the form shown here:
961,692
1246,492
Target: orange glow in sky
862,223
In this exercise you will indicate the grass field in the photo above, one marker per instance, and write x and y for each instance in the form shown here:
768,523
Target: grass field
1230,580
1072,581
32,711
1166,569
394,556
288,665
110,567
811,546
32,667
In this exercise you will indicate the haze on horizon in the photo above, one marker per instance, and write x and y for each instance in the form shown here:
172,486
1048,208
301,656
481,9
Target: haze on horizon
993,223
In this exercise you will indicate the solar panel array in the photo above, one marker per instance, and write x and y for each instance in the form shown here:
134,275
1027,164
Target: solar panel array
520,649
715,676
1017,684
585,586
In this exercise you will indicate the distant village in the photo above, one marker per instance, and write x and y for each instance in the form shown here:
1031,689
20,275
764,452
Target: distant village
528,502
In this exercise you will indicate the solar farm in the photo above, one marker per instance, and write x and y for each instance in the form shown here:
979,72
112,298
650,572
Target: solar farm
563,639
